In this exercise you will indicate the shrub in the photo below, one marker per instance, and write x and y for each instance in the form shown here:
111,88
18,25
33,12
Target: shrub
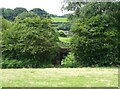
26,63
32,39
69,61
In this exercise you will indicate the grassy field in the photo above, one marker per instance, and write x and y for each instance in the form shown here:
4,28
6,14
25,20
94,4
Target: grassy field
59,19
60,77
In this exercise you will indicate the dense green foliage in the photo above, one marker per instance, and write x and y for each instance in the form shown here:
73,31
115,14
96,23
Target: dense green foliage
40,12
25,15
96,39
11,14
19,10
69,61
28,63
64,26
7,13
31,39
5,24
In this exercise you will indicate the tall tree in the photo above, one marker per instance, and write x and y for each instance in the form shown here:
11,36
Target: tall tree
96,39
19,10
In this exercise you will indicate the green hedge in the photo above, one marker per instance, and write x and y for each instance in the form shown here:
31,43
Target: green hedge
14,63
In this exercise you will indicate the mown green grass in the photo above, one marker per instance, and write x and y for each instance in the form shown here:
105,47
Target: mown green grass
59,19
60,77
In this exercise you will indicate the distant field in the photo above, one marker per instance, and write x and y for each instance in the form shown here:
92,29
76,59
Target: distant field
59,19
60,77
65,39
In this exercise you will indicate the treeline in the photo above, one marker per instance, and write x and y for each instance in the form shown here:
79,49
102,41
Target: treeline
10,14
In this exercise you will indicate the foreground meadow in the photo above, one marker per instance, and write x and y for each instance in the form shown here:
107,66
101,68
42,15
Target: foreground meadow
60,77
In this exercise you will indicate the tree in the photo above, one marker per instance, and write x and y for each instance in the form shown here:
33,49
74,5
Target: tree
39,12
19,10
0,30
7,13
96,39
10,14
6,24
24,15
30,38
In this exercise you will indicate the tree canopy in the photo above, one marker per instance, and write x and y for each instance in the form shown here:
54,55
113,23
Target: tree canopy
39,12
30,38
11,14
96,34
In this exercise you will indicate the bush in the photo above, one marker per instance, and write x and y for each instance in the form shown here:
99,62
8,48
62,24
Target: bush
69,61
26,63
32,39
95,41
